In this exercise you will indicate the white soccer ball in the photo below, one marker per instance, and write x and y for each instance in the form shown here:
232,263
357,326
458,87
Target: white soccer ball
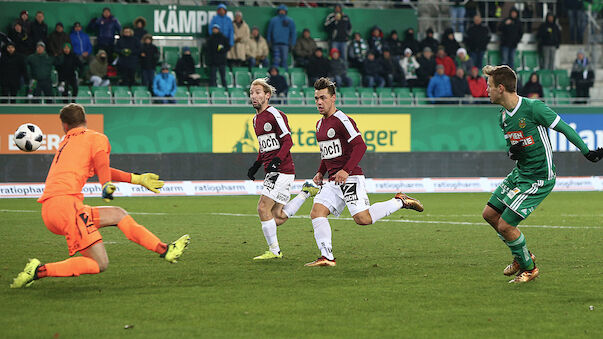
28,137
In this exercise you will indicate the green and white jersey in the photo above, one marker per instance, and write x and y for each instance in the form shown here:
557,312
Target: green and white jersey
529,122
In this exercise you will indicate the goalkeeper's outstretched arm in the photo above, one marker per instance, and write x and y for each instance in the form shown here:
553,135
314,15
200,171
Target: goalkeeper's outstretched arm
149,180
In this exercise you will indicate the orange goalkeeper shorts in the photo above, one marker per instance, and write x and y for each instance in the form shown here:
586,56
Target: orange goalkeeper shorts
68,216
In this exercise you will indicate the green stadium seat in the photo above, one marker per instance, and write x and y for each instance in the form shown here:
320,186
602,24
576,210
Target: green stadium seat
295,97
494,58
420,95
403,95
259,73
367,96
548,93
517,61
238,96
547,78
171,55
530,60
309,95
199,95
84,96
355,76
122,95
298,78
386,96
562,79
142,96
102,96
523,76
562,97
229,79
349,96
242,79
218,95
195,53
182,96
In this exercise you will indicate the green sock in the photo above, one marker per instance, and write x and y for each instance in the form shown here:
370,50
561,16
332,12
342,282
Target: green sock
502,238
520,252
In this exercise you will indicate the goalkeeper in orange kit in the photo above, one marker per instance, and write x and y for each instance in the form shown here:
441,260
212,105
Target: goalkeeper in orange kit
81,154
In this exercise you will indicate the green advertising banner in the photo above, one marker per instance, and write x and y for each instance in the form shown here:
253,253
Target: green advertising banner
188,129
194,20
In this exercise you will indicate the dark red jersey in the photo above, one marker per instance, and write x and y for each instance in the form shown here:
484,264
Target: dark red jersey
274,137
337,138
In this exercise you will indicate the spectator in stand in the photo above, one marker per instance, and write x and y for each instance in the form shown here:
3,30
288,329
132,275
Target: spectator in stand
128,49
577,20
23,20
304,48
39,29
164,85
139,27
57,39
582,76
338,71
446,61
427,67
478,85
236,54
532,89
149,58
463,60
106,27
12,72
185,69
67,64
318,66
476,39
281,37
280,85
257,50
217,47
357,51
21,39
457,15
549,38
225,24
82,47
394,45
375,41
510,36
339,28
410,41
39,70
97,72
372,72
450,44
410,67
460,86
430,42
392,73
439,86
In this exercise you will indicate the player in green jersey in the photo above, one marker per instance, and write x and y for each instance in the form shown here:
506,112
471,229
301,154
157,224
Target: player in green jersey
524,123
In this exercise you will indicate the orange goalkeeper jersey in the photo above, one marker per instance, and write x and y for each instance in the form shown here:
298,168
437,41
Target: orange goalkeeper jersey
73,162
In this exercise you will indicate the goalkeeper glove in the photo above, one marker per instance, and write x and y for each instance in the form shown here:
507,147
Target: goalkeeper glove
595,155
253,169
149,180
515,150
274,164
108,189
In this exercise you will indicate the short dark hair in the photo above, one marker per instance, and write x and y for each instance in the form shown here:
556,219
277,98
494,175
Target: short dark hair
73,115
323,83
502,75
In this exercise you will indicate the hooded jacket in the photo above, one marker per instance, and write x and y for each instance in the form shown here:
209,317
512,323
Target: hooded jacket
450,45
217,47
394,46
128,48
139,32
430,42
151,56
281,29
98,66
164,84
106,28
549,34
510,34
241,33
410,41
184,67
80,42
225,24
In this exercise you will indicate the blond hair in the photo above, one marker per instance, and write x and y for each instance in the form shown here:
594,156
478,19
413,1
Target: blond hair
502,75
264,83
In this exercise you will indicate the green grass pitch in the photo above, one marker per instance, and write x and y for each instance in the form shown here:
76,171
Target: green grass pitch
431,274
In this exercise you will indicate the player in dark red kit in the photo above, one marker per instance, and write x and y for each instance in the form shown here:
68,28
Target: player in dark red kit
274,138
341,149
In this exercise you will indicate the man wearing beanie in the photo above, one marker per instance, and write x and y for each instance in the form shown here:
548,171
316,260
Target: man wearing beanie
57,39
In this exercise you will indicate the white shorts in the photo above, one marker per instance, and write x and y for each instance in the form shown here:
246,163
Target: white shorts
277,186
337,197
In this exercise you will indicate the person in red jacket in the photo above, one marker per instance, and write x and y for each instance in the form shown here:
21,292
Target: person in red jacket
477,85
443,59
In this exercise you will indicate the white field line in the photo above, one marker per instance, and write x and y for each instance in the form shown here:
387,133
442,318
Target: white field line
33,211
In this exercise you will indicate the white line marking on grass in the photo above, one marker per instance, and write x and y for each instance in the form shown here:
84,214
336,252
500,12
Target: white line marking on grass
133,213
149,213
416,221
20,211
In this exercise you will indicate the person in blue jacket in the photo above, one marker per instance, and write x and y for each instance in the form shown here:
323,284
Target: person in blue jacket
439,85
82,47
107,26
164,85
225,23
281,37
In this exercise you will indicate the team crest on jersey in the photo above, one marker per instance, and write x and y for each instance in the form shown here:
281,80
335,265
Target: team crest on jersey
522,123
267,127
331,133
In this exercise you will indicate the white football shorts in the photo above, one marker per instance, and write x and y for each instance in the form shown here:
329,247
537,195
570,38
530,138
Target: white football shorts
351,194
277,186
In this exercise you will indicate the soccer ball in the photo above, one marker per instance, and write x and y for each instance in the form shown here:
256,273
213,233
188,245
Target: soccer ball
28,137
